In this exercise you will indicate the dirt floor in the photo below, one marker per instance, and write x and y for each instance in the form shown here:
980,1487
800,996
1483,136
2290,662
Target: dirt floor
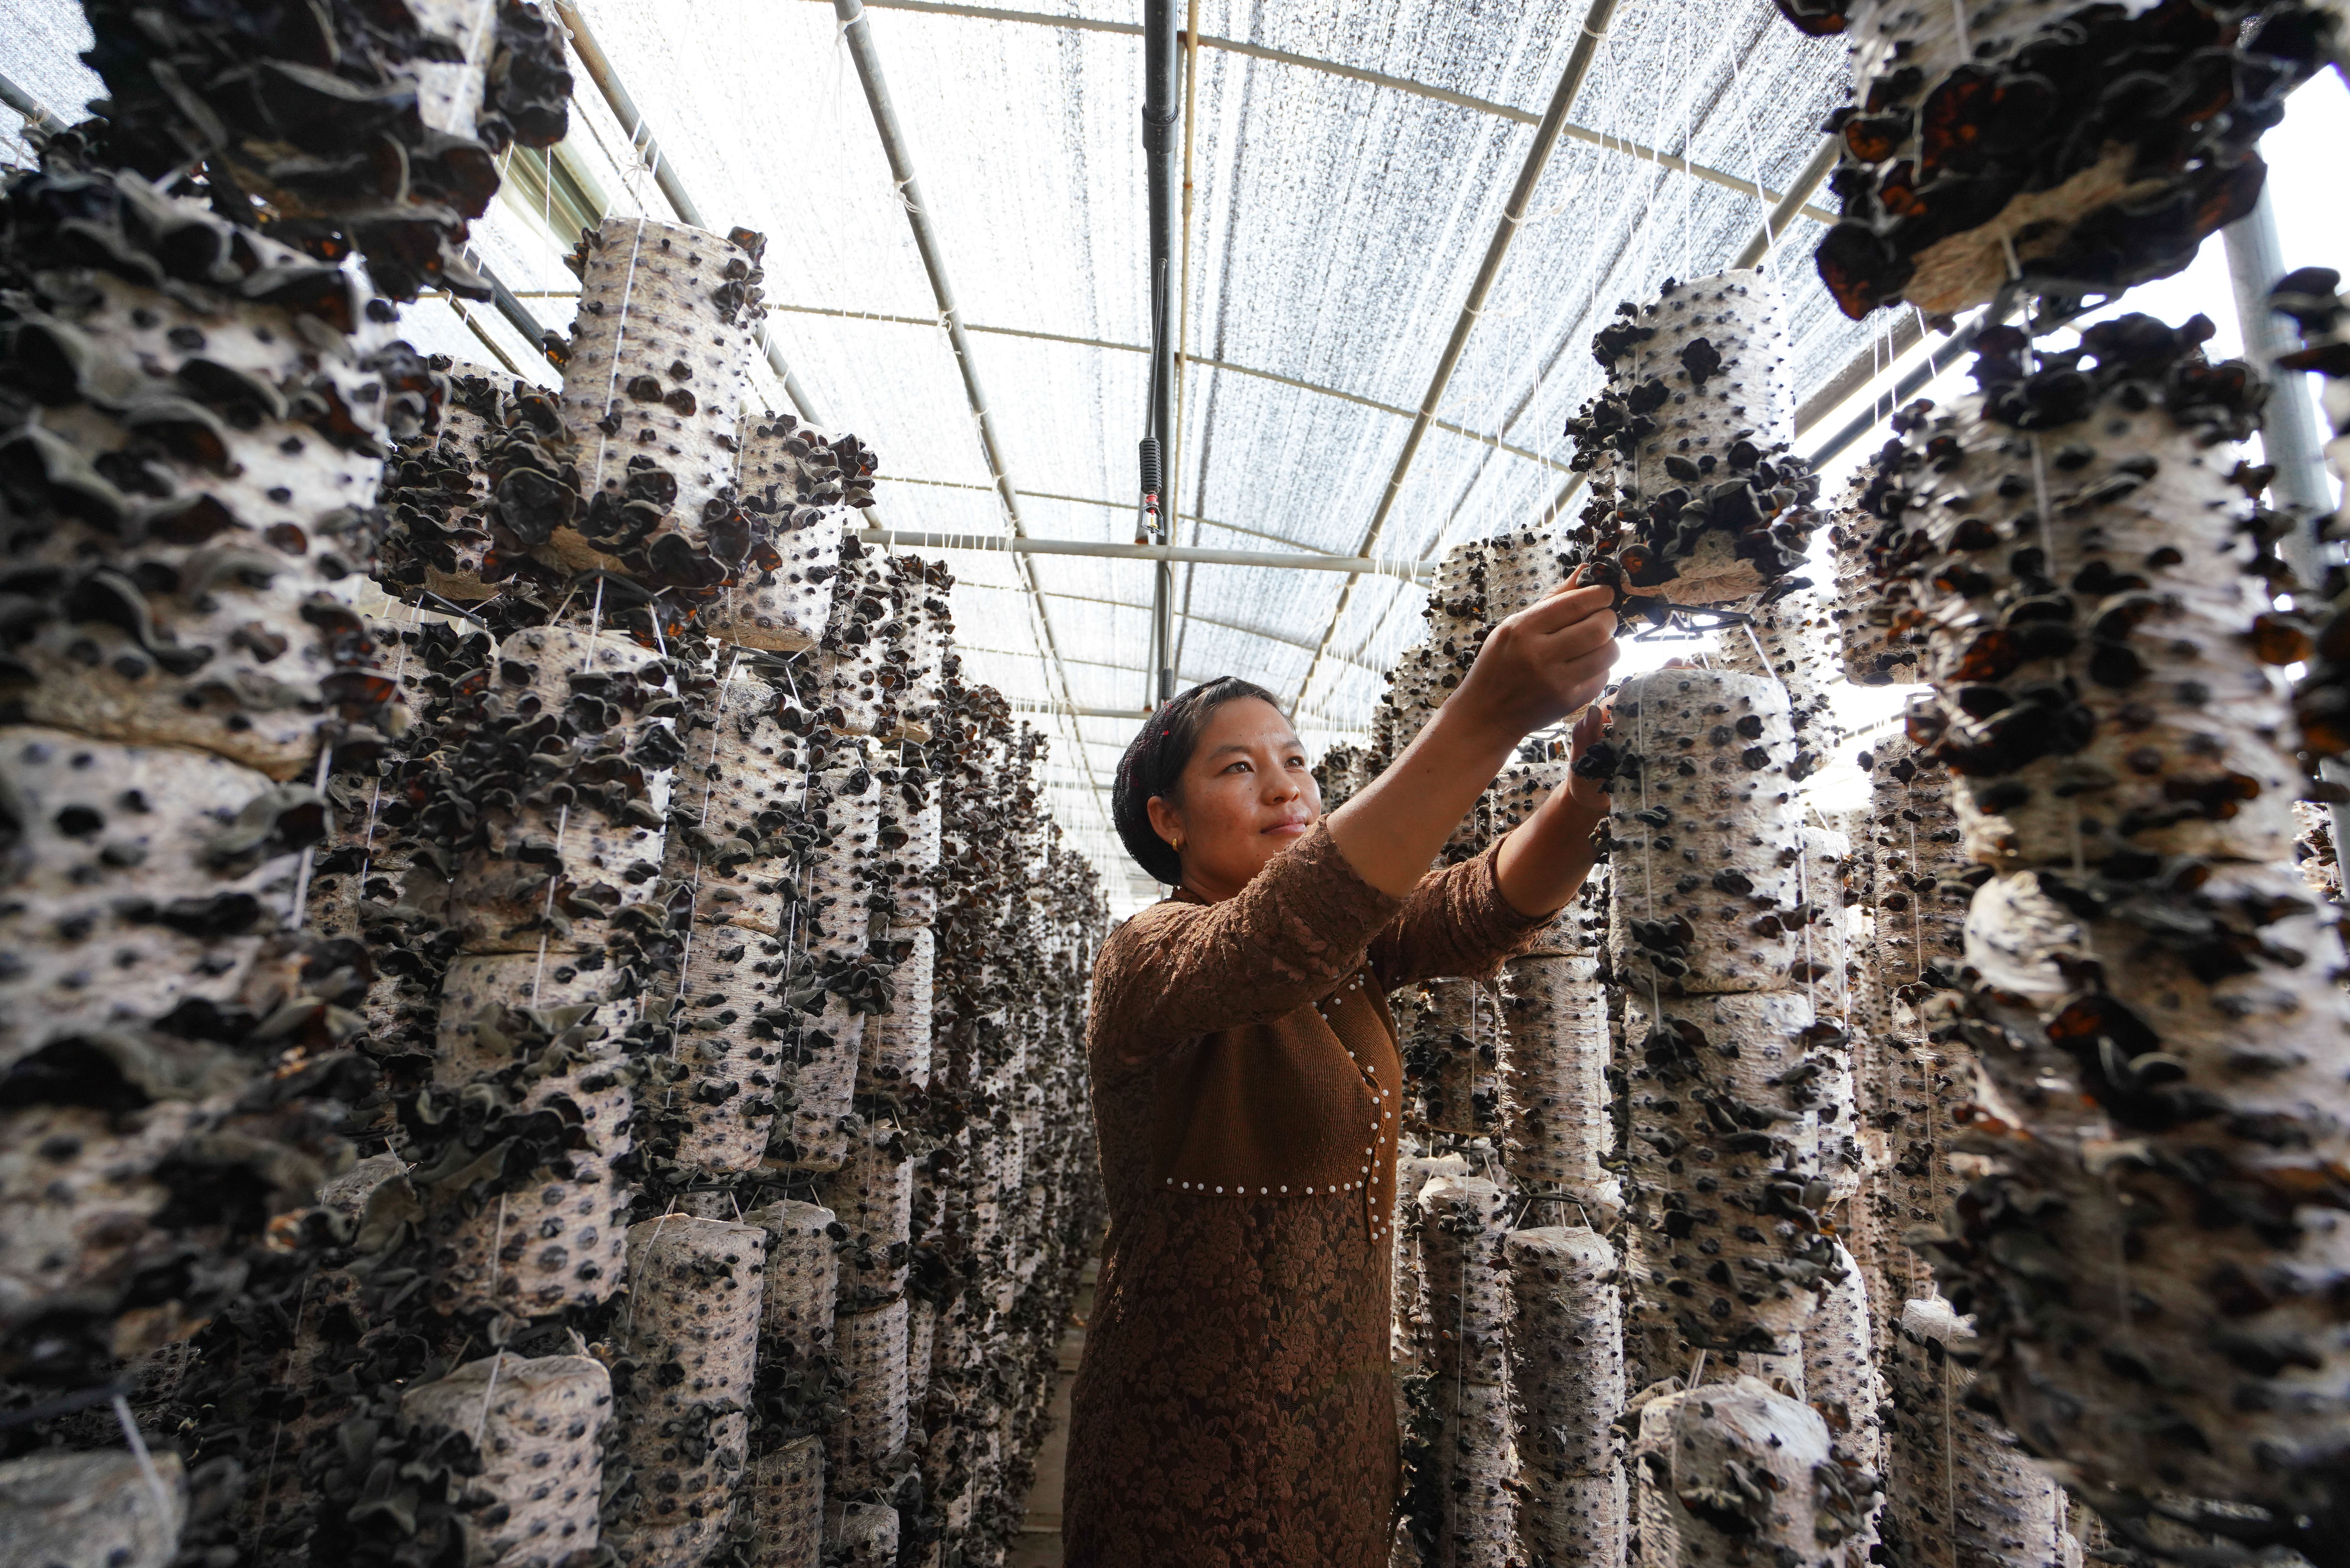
1039,1545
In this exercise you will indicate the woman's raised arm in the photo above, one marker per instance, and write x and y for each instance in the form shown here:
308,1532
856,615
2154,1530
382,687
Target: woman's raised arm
1535,668
1179,971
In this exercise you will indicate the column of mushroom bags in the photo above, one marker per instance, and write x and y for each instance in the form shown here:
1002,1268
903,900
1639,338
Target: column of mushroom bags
270,1380
196,409
530,816
1450,1027
577,907
770,852
1508,1452
1733,1045
2148,1002
1469,1108
1017,921
969,999
1042,1088
1451,1297
859,1148
1565,1333
1794,638
1956,1483
770,993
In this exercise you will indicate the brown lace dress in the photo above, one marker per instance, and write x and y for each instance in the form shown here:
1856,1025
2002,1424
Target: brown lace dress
1235,1404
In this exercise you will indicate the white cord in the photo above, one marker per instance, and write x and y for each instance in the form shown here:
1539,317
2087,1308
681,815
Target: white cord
147,1470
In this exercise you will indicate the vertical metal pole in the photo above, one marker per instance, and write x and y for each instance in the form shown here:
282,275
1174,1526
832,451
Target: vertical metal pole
1179,619
1151,696
2289,440
1165,601
1159,114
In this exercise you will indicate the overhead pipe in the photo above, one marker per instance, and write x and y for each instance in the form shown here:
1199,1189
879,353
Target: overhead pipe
1025,545
858,32
1497,250
624,110
1522,196
518,314
1607,140
35,112
1796,202
1190,39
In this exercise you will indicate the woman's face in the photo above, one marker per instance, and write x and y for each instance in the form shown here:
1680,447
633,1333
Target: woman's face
1245,796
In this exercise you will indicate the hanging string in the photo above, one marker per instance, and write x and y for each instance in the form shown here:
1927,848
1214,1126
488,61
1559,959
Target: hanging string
497,1360
1689,142
693,886
2044,512
297,914
619,341
497,1245
651,1241
147,1472
375,798
546,916
1755,150
269,1472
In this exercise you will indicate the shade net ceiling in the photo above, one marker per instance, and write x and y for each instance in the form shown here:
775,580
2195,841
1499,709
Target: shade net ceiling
1338,226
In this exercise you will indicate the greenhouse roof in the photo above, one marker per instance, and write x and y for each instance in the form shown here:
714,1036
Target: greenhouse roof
1352,164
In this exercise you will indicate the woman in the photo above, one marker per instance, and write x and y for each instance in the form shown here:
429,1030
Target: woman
1235,1406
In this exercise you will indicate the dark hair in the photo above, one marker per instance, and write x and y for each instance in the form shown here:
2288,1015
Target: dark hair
1154,764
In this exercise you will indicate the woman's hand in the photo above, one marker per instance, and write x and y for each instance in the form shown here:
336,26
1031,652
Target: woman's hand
1541,665
1589,794
1535,668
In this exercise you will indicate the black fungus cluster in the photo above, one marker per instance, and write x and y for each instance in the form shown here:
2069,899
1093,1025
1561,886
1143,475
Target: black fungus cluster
1998,710
309,123
1759,496
2186,86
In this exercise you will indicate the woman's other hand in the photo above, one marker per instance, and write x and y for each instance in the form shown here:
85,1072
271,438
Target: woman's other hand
1590,794
1541,665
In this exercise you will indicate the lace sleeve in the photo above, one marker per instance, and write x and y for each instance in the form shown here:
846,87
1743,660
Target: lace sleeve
1455,924
1180,970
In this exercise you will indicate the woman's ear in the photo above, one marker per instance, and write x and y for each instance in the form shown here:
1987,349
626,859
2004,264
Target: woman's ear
1164,821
